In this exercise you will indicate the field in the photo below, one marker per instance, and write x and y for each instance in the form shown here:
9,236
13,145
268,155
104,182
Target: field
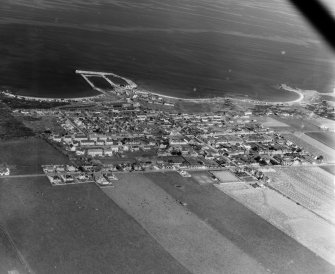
10,127
298,124
8,258
311,187
269,246
327,138
202,177
297,222
270,122
77,229
330,169
225,176
26,155
39,125
193,242
311,145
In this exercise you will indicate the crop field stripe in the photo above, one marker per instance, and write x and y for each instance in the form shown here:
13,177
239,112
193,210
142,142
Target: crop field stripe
18,254
323,137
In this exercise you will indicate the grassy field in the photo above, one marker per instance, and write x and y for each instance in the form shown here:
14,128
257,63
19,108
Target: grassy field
202,177
297,222
330,169
311,187
298,124
271,122
10,127
193,242
311,145
225,176
77,229
26,155
8,257
271,247
327,138
41,124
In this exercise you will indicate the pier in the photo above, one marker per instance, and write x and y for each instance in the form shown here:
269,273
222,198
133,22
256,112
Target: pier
87,74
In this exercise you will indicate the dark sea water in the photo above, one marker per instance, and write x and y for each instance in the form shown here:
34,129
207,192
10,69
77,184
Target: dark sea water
190,49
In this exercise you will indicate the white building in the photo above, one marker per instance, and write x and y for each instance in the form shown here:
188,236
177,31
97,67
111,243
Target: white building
4,171
95,152
108,152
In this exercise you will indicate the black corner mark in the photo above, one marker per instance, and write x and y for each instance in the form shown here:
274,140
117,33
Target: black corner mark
319,16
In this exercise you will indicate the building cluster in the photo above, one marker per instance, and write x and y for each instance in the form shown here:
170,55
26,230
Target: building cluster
323,109
4,170
136,96
68,174
120,139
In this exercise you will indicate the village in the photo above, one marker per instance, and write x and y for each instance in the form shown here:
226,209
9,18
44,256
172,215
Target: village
122,137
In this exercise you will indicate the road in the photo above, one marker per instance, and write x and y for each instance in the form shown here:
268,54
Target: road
24,175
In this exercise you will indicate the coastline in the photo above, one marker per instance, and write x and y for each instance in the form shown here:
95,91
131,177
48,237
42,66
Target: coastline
50,99
215,99
133,87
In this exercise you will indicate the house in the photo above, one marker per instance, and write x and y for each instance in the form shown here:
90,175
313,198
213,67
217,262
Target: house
4,171
87,143
56,138
108,152
67,178
71,168
67,139
95,152
79,137
177,141
109,142
114,148
93,137
48,169
80,152
55,179
60,168
100,142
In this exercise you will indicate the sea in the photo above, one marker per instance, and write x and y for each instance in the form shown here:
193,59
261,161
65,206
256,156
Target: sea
182,48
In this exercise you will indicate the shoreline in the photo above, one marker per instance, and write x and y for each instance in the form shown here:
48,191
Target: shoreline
215,99
145,92
50,99
133,87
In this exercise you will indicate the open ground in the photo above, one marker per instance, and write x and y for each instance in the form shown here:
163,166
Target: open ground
311,187
291,218
78,230
258,238
311,145
327,138
193,242
9,260
26,155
